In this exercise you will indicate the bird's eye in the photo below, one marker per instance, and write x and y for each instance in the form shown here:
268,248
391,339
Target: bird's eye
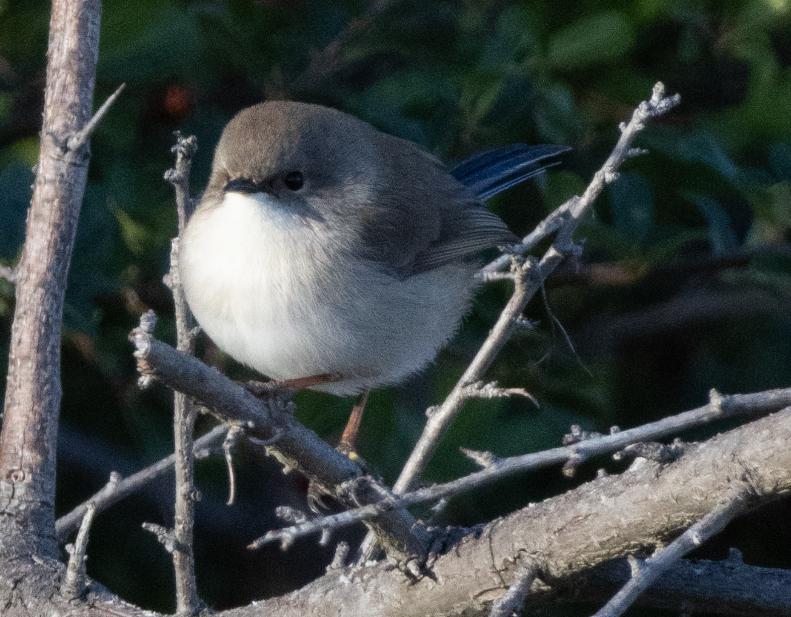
294,180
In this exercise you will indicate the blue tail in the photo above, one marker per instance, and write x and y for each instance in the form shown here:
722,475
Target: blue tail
493,171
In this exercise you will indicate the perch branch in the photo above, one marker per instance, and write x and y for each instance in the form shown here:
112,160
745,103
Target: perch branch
297,448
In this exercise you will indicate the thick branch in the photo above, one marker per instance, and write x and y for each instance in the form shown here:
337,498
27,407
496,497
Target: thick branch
611,517
32,403
645,574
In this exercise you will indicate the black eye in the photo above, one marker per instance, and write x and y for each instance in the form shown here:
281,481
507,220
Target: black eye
294,180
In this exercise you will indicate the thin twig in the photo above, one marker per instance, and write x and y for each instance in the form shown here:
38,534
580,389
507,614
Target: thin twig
81,137
227,446
74,583
644,573
720,407
117,489
511,603
185,411
178,176
527,281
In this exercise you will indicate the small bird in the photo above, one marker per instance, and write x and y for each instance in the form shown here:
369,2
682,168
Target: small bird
329,255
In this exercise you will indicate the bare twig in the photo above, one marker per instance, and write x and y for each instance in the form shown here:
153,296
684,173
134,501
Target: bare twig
339,558
178,176
726,587
511,603
527,281
81,137
164,536
187,600
117,489
184,410
720,407
227,446
491,390
74,583
644,573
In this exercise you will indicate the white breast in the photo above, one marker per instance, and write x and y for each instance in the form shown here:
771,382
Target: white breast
281,295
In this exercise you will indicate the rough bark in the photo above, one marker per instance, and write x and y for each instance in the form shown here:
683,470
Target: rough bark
32,403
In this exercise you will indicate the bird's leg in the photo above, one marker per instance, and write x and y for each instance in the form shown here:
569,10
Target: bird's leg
273,388
348,441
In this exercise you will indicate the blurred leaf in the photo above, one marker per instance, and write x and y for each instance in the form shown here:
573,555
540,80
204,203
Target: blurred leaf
479,93
632,203
134,234
556,115
772,207
602,37
514,41
696,146
721,235
417,105
780,160
154,42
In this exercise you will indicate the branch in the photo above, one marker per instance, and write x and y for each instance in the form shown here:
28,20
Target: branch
608,518
645,573
74,583
720,407
117,489
81,137
32,400
297,448
528,278
184,410
511,603
727,587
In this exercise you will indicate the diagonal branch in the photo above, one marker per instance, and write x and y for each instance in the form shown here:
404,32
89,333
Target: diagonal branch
117,489
528,279
296,447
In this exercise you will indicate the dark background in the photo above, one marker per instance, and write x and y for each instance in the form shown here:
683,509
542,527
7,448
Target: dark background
692,289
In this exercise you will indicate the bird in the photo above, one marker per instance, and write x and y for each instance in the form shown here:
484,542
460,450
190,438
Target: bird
326,254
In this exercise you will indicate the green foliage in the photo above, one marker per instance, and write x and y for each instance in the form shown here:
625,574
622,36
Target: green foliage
456,77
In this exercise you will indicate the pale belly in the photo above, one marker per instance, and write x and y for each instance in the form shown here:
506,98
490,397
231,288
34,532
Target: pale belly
294,309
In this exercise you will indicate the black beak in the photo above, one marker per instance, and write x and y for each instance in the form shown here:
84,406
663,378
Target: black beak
243,185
